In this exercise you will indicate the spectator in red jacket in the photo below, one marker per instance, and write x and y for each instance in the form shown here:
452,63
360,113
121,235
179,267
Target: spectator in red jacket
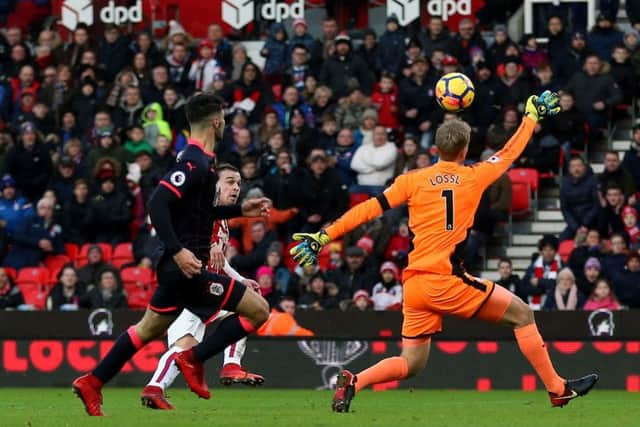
265,277
385,98
26,80
400,244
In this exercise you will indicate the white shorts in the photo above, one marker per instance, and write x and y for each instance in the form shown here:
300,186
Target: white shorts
189,324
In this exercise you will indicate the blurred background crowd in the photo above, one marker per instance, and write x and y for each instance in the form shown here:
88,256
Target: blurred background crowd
90,125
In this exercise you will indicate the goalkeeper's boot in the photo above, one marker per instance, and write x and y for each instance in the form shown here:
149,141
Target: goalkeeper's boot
573,389
233,373
153,397
89,389
193,372
345,391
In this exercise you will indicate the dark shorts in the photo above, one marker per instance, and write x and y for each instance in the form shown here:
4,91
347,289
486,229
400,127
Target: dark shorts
204,295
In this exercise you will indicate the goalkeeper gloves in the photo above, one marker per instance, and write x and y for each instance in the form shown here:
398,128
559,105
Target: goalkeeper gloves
539,107
306,252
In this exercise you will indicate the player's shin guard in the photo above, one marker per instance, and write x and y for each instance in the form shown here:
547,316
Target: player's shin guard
534,349
390,369
230,330
127,344
233,353
167,371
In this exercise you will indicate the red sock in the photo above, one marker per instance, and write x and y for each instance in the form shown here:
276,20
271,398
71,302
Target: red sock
534,349
390,369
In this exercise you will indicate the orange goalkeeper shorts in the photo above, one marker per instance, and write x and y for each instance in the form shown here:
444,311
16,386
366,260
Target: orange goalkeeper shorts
427,297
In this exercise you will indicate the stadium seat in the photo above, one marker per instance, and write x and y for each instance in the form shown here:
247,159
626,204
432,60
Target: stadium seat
81,259
11,272
72,250
277,90
520,203
565,249
527,176
520,199
122,254
324,257
139,286
136,274
288,259
357,198
54,264
34,285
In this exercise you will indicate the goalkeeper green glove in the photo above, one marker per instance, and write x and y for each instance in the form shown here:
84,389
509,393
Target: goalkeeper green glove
539,107
306,252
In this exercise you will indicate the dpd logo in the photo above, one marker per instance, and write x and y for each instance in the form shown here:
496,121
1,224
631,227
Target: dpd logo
446,8
405,10
238,13
282,11
75,12
113,14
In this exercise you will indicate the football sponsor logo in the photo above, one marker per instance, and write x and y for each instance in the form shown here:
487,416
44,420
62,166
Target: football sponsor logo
117,15
406,11
75,12
100,322
238,13
177,178
333,356
601,323
216,289
447,8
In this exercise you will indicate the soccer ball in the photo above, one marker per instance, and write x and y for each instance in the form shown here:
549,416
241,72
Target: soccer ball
454,92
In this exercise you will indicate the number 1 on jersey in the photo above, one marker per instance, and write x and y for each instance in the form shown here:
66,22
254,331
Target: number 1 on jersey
448,200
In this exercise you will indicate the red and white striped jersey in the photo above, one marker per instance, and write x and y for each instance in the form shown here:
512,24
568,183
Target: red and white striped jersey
220,237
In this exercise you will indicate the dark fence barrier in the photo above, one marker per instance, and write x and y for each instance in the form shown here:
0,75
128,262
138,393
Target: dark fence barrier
50,349
578,325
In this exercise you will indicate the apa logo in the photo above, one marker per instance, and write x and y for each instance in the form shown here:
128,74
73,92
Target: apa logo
75,12
237,13
447,8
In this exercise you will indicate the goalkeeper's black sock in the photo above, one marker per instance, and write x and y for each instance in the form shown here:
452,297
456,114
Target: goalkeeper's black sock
229,331
125,347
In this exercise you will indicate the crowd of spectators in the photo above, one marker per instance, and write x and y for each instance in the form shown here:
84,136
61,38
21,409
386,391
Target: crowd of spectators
597,274
89,127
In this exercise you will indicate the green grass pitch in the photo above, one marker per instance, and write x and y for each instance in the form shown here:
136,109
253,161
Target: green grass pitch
301,408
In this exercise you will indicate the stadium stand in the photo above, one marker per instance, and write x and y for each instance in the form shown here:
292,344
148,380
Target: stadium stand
105,117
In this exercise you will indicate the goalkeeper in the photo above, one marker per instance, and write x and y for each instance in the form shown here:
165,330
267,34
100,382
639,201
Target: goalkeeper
442,201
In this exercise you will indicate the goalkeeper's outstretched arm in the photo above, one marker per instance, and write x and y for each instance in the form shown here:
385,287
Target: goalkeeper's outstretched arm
306,252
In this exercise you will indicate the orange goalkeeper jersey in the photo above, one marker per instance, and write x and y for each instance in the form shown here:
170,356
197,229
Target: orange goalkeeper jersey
442,202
